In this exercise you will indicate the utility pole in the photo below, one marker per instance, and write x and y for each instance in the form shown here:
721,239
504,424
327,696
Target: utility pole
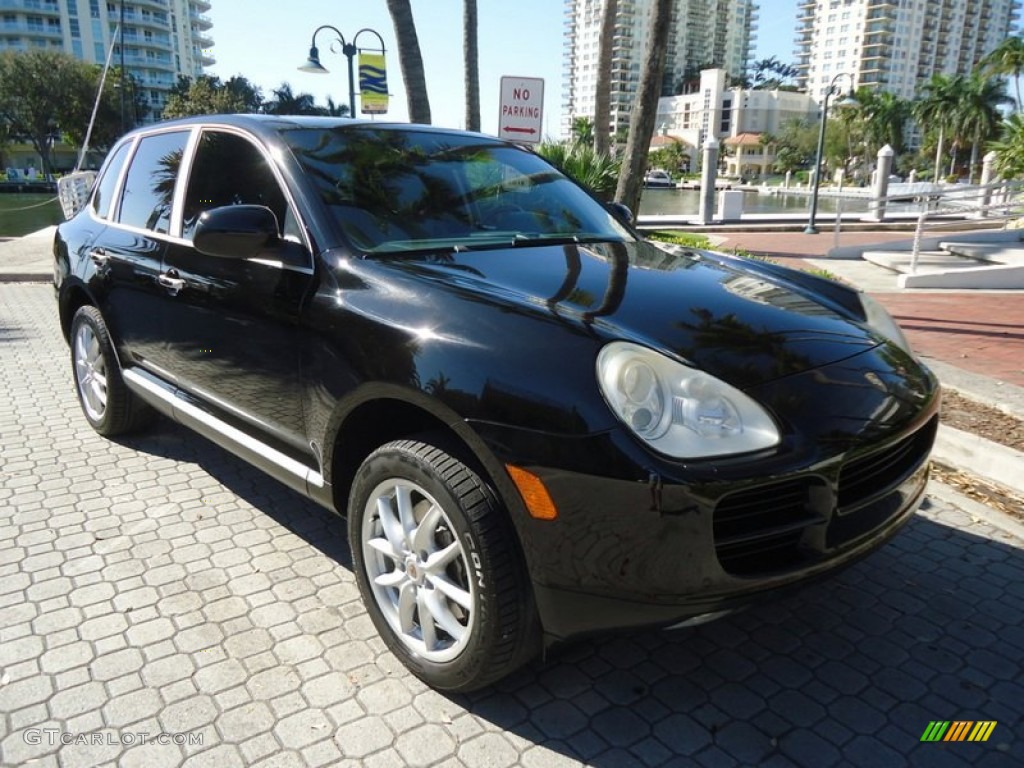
121,28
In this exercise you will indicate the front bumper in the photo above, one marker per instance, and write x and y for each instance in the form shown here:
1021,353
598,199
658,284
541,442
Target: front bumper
640,540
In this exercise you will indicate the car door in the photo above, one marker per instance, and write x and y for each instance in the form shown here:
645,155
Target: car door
233,327
125,258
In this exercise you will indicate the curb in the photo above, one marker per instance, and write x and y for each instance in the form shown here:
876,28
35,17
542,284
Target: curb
26,277
1004,522
978,456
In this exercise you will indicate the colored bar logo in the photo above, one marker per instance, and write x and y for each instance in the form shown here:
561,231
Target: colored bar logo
958,730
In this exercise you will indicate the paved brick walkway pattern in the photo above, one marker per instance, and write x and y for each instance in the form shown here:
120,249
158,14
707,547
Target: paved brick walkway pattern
161,585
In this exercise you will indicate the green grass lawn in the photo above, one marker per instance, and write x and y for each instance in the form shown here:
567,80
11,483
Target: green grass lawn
21,214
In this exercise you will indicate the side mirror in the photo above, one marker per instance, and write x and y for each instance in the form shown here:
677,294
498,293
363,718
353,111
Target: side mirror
235,231
621,212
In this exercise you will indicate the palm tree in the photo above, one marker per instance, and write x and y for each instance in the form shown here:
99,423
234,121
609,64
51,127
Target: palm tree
603,93
336,110
285,102
1009,148
1006,60
938,108
582,130
979,118
884,115
645,107
471,54
411,61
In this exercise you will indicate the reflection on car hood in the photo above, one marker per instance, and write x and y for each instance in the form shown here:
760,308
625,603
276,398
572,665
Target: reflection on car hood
716,314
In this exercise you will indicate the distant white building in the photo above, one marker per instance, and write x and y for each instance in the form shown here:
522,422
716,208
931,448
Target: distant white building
718,33
162,38
895,45
736,117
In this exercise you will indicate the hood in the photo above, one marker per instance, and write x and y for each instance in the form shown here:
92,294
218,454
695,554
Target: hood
734,320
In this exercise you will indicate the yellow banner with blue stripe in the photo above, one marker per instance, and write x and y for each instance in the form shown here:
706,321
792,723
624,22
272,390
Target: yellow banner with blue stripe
373,83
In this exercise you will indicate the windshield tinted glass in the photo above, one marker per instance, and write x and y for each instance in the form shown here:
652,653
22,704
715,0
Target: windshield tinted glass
395,191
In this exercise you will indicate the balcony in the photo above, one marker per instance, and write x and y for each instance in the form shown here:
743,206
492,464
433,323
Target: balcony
145,20
36,30
41,7
200,20
145,61
202,39
201,5
140,41
161,5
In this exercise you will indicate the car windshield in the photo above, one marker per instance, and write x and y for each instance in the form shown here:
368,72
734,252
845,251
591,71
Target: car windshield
401,191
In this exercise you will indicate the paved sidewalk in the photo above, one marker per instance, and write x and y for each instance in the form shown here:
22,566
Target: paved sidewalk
160,585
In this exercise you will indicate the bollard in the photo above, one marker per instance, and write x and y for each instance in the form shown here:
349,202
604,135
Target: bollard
708,173
840,175
789,178
881,185
986,183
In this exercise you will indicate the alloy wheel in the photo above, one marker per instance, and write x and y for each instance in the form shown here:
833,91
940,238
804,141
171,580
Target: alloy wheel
418,570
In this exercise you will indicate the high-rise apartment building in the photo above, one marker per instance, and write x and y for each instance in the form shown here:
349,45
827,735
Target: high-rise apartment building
896,45
162,38
704,33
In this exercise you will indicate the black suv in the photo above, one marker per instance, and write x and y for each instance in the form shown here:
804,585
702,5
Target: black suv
537,423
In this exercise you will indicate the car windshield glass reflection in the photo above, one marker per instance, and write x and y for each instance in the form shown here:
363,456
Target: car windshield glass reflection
402,192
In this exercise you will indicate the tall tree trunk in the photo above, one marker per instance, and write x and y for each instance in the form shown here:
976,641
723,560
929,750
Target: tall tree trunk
974,158
411,61
603,95
938,156
645,108
470,52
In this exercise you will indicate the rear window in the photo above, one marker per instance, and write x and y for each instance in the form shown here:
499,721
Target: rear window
106,186
149,187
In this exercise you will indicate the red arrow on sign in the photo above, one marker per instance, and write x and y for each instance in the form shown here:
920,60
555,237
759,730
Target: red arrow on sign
510,129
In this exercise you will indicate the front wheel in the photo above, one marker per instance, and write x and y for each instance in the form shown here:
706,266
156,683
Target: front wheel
437,567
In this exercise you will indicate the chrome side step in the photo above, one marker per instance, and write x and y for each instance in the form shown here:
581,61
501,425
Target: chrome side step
165,399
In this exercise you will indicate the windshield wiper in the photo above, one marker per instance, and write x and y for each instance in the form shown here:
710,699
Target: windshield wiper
521,240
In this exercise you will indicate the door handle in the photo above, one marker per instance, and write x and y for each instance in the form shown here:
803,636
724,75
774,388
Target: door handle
98,256
171,283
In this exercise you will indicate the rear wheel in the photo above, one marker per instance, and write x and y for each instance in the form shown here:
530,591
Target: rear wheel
109,406
437,567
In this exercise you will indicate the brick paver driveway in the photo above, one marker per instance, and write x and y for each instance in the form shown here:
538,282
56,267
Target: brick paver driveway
161,586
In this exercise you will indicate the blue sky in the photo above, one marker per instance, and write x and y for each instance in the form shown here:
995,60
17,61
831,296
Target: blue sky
517,37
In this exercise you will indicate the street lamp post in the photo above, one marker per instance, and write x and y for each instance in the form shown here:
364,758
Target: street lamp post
349,49
810,229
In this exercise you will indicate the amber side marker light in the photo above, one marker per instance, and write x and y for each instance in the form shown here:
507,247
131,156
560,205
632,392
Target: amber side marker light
535,495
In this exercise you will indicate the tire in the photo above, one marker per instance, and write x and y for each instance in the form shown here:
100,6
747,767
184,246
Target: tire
109,406
430,540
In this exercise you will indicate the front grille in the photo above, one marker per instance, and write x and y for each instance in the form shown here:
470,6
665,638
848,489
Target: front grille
762,529
759,530
872,476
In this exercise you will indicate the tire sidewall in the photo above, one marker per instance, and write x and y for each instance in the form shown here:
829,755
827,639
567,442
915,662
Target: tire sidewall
398,462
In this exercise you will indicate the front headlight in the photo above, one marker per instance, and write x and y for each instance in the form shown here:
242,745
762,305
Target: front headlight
878,319
680,411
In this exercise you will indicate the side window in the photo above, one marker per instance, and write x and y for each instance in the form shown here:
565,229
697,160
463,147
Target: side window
230,170
103,193
149,188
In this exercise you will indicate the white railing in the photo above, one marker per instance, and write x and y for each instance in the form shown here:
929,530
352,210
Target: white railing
1000,201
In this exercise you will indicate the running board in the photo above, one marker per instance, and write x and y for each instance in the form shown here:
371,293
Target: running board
165,399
